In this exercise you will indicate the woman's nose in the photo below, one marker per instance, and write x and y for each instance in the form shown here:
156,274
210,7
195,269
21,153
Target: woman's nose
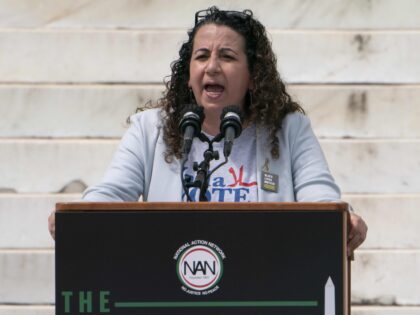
213,65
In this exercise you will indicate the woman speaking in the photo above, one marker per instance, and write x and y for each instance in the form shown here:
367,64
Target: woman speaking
227,60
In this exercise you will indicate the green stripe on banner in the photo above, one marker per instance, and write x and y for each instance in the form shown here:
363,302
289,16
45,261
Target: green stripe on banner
216,304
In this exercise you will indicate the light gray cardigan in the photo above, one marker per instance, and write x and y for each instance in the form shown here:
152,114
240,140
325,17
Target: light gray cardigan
139,168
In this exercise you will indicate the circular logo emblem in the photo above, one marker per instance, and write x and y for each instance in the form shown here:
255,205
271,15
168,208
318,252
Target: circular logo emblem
199,267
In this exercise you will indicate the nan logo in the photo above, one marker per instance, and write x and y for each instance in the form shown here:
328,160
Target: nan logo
199,266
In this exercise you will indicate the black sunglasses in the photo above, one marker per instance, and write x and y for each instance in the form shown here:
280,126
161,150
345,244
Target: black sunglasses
202,14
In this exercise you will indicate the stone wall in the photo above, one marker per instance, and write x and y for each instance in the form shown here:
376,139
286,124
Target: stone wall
72,71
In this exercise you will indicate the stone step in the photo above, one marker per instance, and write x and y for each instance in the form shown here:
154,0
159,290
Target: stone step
393,220
361,111
145,56
70,111
289,14
359,166
369,166
378,277
56,165
101,110
387,310
23,219
27,309
386,277
27,276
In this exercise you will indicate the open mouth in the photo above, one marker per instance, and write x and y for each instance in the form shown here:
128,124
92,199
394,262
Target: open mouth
214,90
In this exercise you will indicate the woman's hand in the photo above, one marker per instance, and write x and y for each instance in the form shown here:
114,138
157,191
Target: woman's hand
51,224
357,233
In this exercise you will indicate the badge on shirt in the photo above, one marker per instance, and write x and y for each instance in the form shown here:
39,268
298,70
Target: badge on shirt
270,181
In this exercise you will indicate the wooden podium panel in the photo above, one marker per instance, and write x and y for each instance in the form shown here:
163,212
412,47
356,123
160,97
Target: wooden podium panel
202,258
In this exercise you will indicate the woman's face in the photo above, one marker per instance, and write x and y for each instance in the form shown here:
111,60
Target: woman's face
219,74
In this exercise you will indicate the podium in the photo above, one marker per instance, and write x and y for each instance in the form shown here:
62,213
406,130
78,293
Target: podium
202,258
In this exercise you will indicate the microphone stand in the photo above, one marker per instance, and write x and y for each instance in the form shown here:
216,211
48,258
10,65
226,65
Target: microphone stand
202,178
230,127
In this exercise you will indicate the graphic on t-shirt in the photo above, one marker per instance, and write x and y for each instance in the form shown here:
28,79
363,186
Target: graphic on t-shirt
238,180
232,187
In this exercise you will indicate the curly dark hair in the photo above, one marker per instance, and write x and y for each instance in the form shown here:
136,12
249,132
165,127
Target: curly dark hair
270,102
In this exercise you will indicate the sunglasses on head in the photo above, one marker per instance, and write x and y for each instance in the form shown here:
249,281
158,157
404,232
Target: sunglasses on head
203,14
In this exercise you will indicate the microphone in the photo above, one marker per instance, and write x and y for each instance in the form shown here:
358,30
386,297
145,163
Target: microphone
230,126
190,125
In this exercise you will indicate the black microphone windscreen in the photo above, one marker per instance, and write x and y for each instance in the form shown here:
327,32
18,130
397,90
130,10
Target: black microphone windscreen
193,108
231,117
232,109
191,114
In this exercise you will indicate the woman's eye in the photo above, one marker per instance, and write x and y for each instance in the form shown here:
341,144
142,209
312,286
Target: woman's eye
228,57
201,57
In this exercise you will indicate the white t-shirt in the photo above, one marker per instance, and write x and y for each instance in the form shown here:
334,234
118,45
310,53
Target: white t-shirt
235,181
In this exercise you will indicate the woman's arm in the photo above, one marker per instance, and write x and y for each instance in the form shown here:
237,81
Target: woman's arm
313,180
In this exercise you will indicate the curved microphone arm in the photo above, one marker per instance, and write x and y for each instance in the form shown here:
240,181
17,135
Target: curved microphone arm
219,166
218,138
